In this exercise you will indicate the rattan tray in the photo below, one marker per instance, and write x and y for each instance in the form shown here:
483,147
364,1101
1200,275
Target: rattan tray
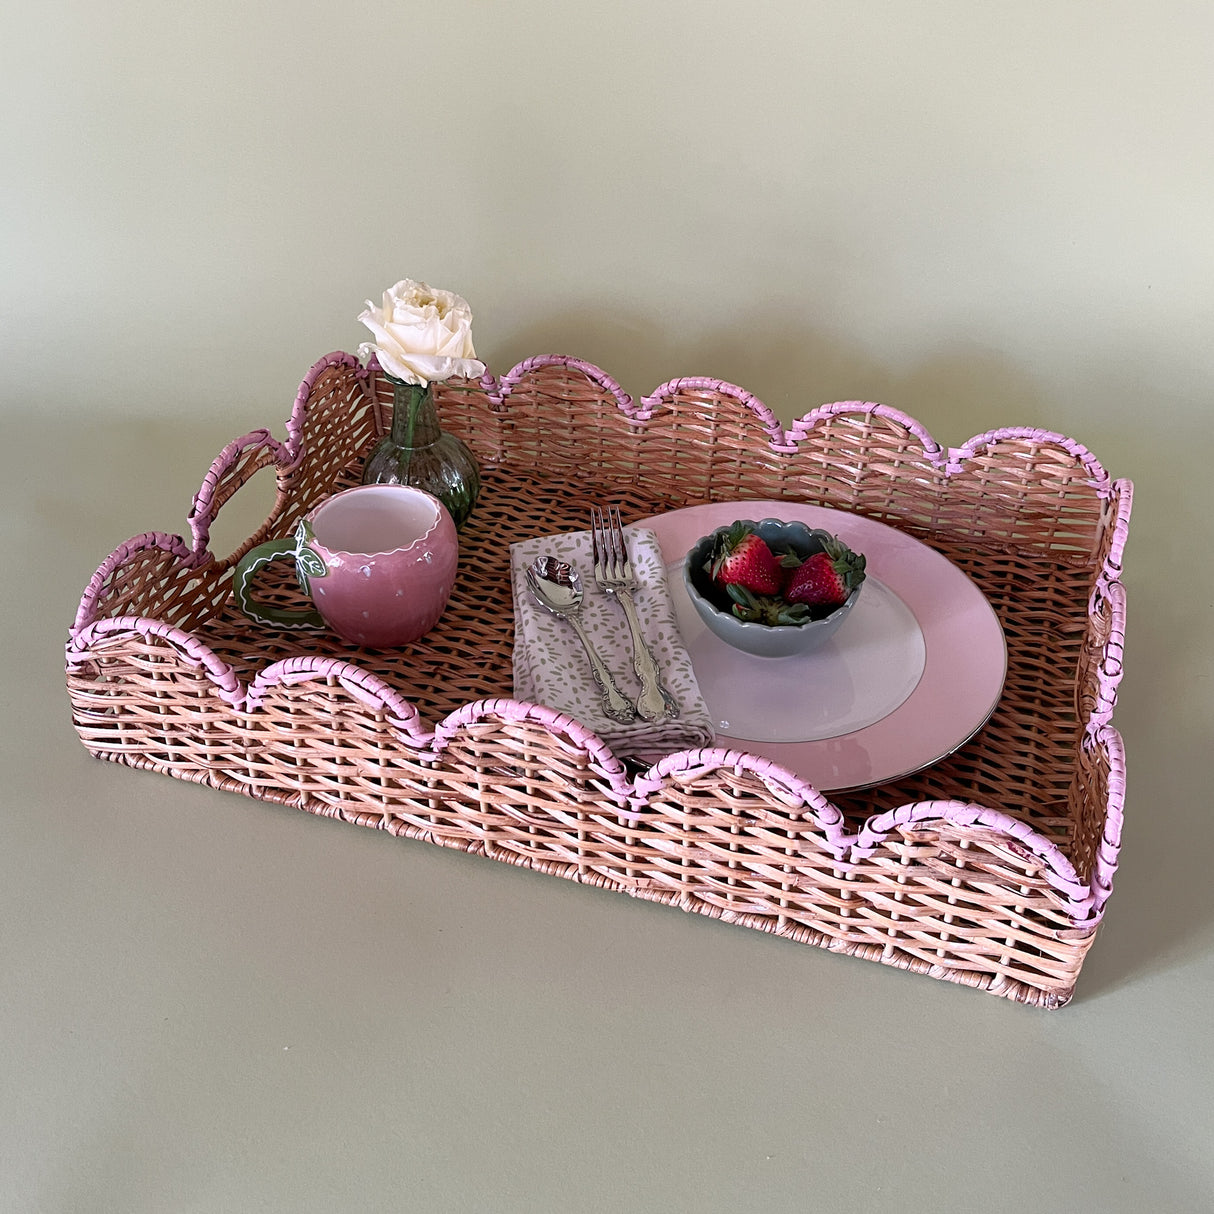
990,868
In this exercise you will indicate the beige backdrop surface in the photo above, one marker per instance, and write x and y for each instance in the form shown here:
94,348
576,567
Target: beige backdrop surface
981,214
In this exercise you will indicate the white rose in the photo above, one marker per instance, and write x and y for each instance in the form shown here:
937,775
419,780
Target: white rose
421,335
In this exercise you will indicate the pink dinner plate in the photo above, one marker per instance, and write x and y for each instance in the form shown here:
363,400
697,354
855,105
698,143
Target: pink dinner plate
914,673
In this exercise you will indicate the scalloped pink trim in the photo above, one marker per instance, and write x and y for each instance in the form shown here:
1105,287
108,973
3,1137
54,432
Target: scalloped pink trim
299,410
172,544
372,692
801,427
197,655
791,789
202,512
1087,902
1121,526
1060,872
500,389
776,434
1099,478
559,722
367,688
1108,850
286,454
1111,667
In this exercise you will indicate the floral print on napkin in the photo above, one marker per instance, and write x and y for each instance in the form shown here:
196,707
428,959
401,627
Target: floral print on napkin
551,667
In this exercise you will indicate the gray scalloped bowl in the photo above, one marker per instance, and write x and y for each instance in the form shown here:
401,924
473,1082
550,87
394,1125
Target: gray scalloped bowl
762,640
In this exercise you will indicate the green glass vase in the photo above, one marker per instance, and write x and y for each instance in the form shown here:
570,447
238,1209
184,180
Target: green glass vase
417,451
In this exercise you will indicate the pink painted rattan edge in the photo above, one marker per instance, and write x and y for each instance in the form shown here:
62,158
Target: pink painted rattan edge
369,690
86,613
633,794
1062,874
1087,903
787,787
197,655
973,447
560,723
933,453
202,512
1109,849
499,390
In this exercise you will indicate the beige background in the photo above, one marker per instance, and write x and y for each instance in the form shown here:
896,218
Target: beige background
981,214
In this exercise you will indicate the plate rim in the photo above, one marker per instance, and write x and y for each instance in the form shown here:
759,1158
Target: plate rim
936,660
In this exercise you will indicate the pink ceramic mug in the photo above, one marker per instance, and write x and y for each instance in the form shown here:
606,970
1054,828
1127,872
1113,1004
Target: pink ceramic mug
378,562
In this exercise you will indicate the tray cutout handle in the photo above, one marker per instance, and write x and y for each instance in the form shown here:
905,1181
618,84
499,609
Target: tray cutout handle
254,457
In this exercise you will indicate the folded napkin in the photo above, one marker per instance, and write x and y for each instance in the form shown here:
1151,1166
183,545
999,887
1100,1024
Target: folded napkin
551,667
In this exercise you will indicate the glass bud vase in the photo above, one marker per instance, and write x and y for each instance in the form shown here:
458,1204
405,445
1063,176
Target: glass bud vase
417,451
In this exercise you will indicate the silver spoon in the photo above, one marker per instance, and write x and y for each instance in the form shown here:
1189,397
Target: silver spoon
558,589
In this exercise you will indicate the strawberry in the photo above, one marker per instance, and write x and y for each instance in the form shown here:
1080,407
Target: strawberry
741,558
765,609
826,578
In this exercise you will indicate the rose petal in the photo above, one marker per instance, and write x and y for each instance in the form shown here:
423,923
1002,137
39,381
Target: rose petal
422,335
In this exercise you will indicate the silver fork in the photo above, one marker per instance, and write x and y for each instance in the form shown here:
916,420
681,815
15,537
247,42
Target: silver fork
613,572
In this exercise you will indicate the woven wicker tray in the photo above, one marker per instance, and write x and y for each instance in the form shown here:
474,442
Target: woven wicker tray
990,868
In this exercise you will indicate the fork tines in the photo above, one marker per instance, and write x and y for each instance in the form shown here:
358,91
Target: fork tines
607,539
596,527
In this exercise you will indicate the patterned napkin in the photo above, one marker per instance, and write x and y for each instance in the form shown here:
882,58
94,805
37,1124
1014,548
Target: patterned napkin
551,667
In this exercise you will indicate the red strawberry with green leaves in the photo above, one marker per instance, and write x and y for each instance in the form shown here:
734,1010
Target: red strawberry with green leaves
742,558
765,609
826,578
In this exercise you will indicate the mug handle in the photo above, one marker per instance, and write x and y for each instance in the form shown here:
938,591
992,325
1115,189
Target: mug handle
257,559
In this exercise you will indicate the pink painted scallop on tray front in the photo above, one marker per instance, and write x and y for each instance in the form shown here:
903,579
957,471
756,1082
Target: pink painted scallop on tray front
990,867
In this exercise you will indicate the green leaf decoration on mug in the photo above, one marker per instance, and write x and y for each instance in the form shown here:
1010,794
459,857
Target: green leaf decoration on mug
307,563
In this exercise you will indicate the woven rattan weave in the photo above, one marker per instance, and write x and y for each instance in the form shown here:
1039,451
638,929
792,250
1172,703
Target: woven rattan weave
990,868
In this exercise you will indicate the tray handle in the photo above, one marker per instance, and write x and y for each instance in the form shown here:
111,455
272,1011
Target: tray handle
232,468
